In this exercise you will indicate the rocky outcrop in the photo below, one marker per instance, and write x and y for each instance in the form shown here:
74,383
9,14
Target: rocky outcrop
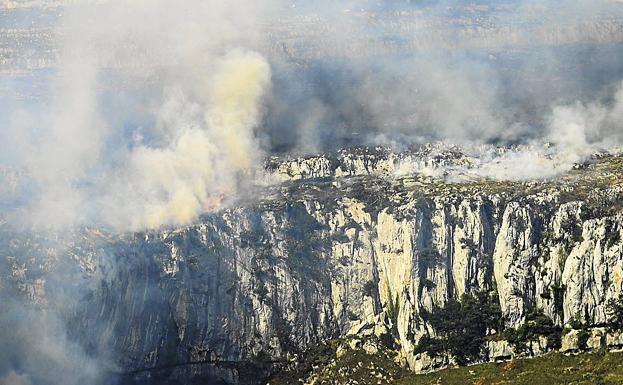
428,159
251,288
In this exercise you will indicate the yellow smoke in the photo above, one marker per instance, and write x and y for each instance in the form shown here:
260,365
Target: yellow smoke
239,84
205,160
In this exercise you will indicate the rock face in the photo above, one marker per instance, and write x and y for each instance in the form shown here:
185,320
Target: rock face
249,288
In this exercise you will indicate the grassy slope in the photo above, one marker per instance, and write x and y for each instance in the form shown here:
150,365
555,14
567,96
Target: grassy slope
587,368
358,367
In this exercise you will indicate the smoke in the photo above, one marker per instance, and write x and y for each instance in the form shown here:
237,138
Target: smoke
579,125
153,114
573,133
157,111
14,379
580,129
464,73
39,351
215,145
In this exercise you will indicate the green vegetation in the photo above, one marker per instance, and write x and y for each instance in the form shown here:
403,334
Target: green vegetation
369,288
558,292
537,324
461,326
552,369
583,336
614,311
323,365
358,367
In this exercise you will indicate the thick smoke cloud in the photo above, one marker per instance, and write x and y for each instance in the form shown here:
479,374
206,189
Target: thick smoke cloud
188,73
215,145
14,379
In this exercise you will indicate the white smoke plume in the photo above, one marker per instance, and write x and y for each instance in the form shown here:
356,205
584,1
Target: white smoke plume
191,71
214,146
574,132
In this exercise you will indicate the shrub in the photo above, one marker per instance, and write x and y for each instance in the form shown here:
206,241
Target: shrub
613,237
583,336
576,322
614,312
369,288
537,324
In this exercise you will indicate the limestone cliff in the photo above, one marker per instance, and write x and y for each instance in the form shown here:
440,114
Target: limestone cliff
346,244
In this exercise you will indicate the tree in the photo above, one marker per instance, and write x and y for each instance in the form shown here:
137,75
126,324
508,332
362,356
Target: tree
461,326
614,312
